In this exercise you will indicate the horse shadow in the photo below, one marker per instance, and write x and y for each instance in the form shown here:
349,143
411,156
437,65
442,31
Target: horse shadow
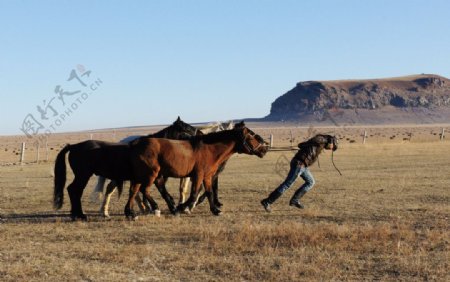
56,217
47,217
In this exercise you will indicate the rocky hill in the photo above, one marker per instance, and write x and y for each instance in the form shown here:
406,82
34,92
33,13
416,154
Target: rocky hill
412,99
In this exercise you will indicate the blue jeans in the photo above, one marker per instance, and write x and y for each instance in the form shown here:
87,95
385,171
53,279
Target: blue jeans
297,169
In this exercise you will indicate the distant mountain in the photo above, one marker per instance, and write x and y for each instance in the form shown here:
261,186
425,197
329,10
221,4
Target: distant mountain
412,99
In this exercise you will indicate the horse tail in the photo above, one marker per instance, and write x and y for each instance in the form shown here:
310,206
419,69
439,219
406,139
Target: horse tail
60,177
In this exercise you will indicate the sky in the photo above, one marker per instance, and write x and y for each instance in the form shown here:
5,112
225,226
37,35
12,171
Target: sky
81,65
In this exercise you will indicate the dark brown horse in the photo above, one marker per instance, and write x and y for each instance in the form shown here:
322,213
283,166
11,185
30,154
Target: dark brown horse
198,158
110,160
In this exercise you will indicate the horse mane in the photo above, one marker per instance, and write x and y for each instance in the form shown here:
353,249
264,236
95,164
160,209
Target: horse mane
216,137
160,133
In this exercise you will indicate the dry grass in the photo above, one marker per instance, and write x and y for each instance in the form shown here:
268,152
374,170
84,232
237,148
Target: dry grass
386,218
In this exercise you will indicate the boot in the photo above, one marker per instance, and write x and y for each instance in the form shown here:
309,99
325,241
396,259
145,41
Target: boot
270,200
295,200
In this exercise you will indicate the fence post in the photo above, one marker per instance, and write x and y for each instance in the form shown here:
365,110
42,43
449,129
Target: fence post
46,148
22,153
38,145
364,136
290,131
443,134
271,141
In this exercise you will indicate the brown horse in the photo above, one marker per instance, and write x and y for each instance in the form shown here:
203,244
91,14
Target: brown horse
198,158
178,130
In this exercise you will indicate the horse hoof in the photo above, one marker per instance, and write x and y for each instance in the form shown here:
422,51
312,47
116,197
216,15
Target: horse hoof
181,209
79,217
217,212
219,204
132,217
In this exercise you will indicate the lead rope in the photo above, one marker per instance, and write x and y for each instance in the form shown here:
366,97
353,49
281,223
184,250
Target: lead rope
332,160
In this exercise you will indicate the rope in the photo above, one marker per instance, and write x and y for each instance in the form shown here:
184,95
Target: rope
332,160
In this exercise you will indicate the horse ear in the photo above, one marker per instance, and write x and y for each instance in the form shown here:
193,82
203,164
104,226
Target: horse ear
177,121
239,125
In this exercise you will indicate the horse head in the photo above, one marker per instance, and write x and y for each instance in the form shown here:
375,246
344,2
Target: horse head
181,130
252,143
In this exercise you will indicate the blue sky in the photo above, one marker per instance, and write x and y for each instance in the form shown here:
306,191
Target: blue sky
203,60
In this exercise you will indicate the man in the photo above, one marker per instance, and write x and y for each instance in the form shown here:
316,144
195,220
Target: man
305,157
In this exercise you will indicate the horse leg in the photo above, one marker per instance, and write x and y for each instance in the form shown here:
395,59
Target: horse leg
146,195
95,195
75,190
208,191
201,198
134,189
109,191
160,184
146,201
153,204
196,183
215,191
142,205
184,184
147,204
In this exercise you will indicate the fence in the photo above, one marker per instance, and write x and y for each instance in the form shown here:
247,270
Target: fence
18,149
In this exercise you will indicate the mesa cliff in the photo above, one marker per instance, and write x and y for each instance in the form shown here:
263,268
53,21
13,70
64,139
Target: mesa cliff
413,99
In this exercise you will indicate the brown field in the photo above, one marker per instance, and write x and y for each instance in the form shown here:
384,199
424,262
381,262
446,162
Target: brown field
387,218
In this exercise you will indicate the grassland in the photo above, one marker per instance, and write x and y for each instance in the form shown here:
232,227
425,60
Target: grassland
387,218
